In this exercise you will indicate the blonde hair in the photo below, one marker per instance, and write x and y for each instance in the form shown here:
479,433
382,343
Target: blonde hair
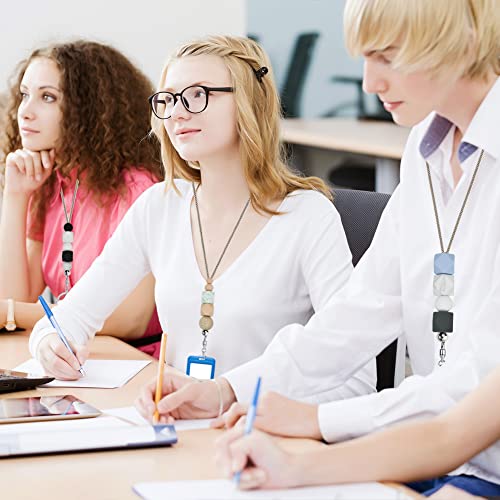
258,116
435,35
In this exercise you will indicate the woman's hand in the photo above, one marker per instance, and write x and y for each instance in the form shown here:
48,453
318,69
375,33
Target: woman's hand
57,361
262,462
277,414
184,397
26,171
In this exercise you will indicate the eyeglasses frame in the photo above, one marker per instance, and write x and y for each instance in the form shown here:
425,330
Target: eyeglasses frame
178,96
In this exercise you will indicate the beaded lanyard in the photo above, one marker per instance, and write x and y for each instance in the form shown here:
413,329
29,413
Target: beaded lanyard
208,295
444,271
67,238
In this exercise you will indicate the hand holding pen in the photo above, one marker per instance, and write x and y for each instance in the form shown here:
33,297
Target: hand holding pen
56,354
252,413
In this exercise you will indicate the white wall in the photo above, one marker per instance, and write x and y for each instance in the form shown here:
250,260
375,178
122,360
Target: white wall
145,30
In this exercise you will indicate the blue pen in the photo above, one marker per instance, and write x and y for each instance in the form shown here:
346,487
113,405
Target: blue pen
252,413
55,324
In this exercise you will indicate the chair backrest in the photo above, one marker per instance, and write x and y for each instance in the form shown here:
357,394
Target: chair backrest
360,213
295,78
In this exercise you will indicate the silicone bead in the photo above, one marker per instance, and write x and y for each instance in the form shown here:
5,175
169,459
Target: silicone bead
67,256
444,263
206,322
67,237
444,285
207,297
444,303
207,309
442,321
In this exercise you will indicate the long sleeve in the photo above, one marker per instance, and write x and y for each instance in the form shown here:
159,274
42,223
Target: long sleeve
311,362
470,360
111,278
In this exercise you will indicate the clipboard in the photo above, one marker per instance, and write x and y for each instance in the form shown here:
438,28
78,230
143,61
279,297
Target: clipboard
127,437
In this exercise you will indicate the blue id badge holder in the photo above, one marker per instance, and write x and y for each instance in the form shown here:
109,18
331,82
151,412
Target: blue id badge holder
201,367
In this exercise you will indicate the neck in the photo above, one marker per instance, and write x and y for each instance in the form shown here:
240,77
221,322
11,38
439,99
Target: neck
464,100
223,184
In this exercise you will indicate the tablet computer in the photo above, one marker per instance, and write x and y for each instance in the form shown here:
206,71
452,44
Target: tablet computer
11,381
44,408
24,441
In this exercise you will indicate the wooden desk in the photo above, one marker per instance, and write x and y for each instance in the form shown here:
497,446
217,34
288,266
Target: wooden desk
383,140
108,475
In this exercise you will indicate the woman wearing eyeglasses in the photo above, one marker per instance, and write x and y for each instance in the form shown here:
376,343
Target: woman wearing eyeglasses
75,156
238,244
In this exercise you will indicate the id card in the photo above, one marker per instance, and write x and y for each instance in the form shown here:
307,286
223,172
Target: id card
201,367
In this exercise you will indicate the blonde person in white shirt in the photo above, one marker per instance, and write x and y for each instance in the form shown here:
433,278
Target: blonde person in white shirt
436,68
217,117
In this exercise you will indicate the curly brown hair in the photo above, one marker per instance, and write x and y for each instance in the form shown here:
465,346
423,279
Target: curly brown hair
105,120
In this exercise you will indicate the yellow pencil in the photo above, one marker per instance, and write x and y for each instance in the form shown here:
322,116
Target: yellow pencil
159,377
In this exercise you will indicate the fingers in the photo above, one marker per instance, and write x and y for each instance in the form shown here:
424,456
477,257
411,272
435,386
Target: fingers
58,361
252,477
145,402
82,353
32,164
186,394
231,417
223,451
36,166
233,453
47,158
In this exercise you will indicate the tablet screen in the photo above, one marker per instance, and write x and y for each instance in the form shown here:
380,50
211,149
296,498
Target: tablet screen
44,408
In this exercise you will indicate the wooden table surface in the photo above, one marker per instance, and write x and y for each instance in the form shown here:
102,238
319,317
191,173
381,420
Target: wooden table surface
108,475
373,138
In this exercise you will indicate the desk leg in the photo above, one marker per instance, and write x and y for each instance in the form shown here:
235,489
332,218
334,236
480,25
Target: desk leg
386,175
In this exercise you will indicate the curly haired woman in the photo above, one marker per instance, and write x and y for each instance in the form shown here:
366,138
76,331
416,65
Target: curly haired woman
76,156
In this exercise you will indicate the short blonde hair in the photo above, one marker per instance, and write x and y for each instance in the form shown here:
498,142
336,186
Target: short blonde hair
435,35
258,114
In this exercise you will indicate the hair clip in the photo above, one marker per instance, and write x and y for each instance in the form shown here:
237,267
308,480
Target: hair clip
259,73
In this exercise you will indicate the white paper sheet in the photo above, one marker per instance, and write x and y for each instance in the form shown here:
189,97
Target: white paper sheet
99,373
225,490
130,414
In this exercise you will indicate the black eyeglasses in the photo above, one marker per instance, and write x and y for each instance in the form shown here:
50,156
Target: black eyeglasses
193,98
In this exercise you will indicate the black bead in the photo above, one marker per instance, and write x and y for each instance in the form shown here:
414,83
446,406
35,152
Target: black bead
67,256
68,226
442,336
442,321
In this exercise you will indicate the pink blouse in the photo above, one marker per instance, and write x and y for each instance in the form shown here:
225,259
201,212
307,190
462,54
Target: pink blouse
93,225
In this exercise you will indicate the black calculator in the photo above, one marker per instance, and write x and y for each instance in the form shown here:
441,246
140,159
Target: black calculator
11,381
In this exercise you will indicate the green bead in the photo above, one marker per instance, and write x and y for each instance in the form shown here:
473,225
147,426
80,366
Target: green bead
207,297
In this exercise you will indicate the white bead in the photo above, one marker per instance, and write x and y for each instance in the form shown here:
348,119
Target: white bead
444,303
68,237
444,284
67,266
67,246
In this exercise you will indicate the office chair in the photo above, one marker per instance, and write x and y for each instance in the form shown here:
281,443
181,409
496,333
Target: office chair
295,78
360,212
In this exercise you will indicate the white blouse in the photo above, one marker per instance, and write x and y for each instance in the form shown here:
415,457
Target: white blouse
292,268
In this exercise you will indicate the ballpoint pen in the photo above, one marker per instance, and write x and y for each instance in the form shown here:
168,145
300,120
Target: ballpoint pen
57,328
252,413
